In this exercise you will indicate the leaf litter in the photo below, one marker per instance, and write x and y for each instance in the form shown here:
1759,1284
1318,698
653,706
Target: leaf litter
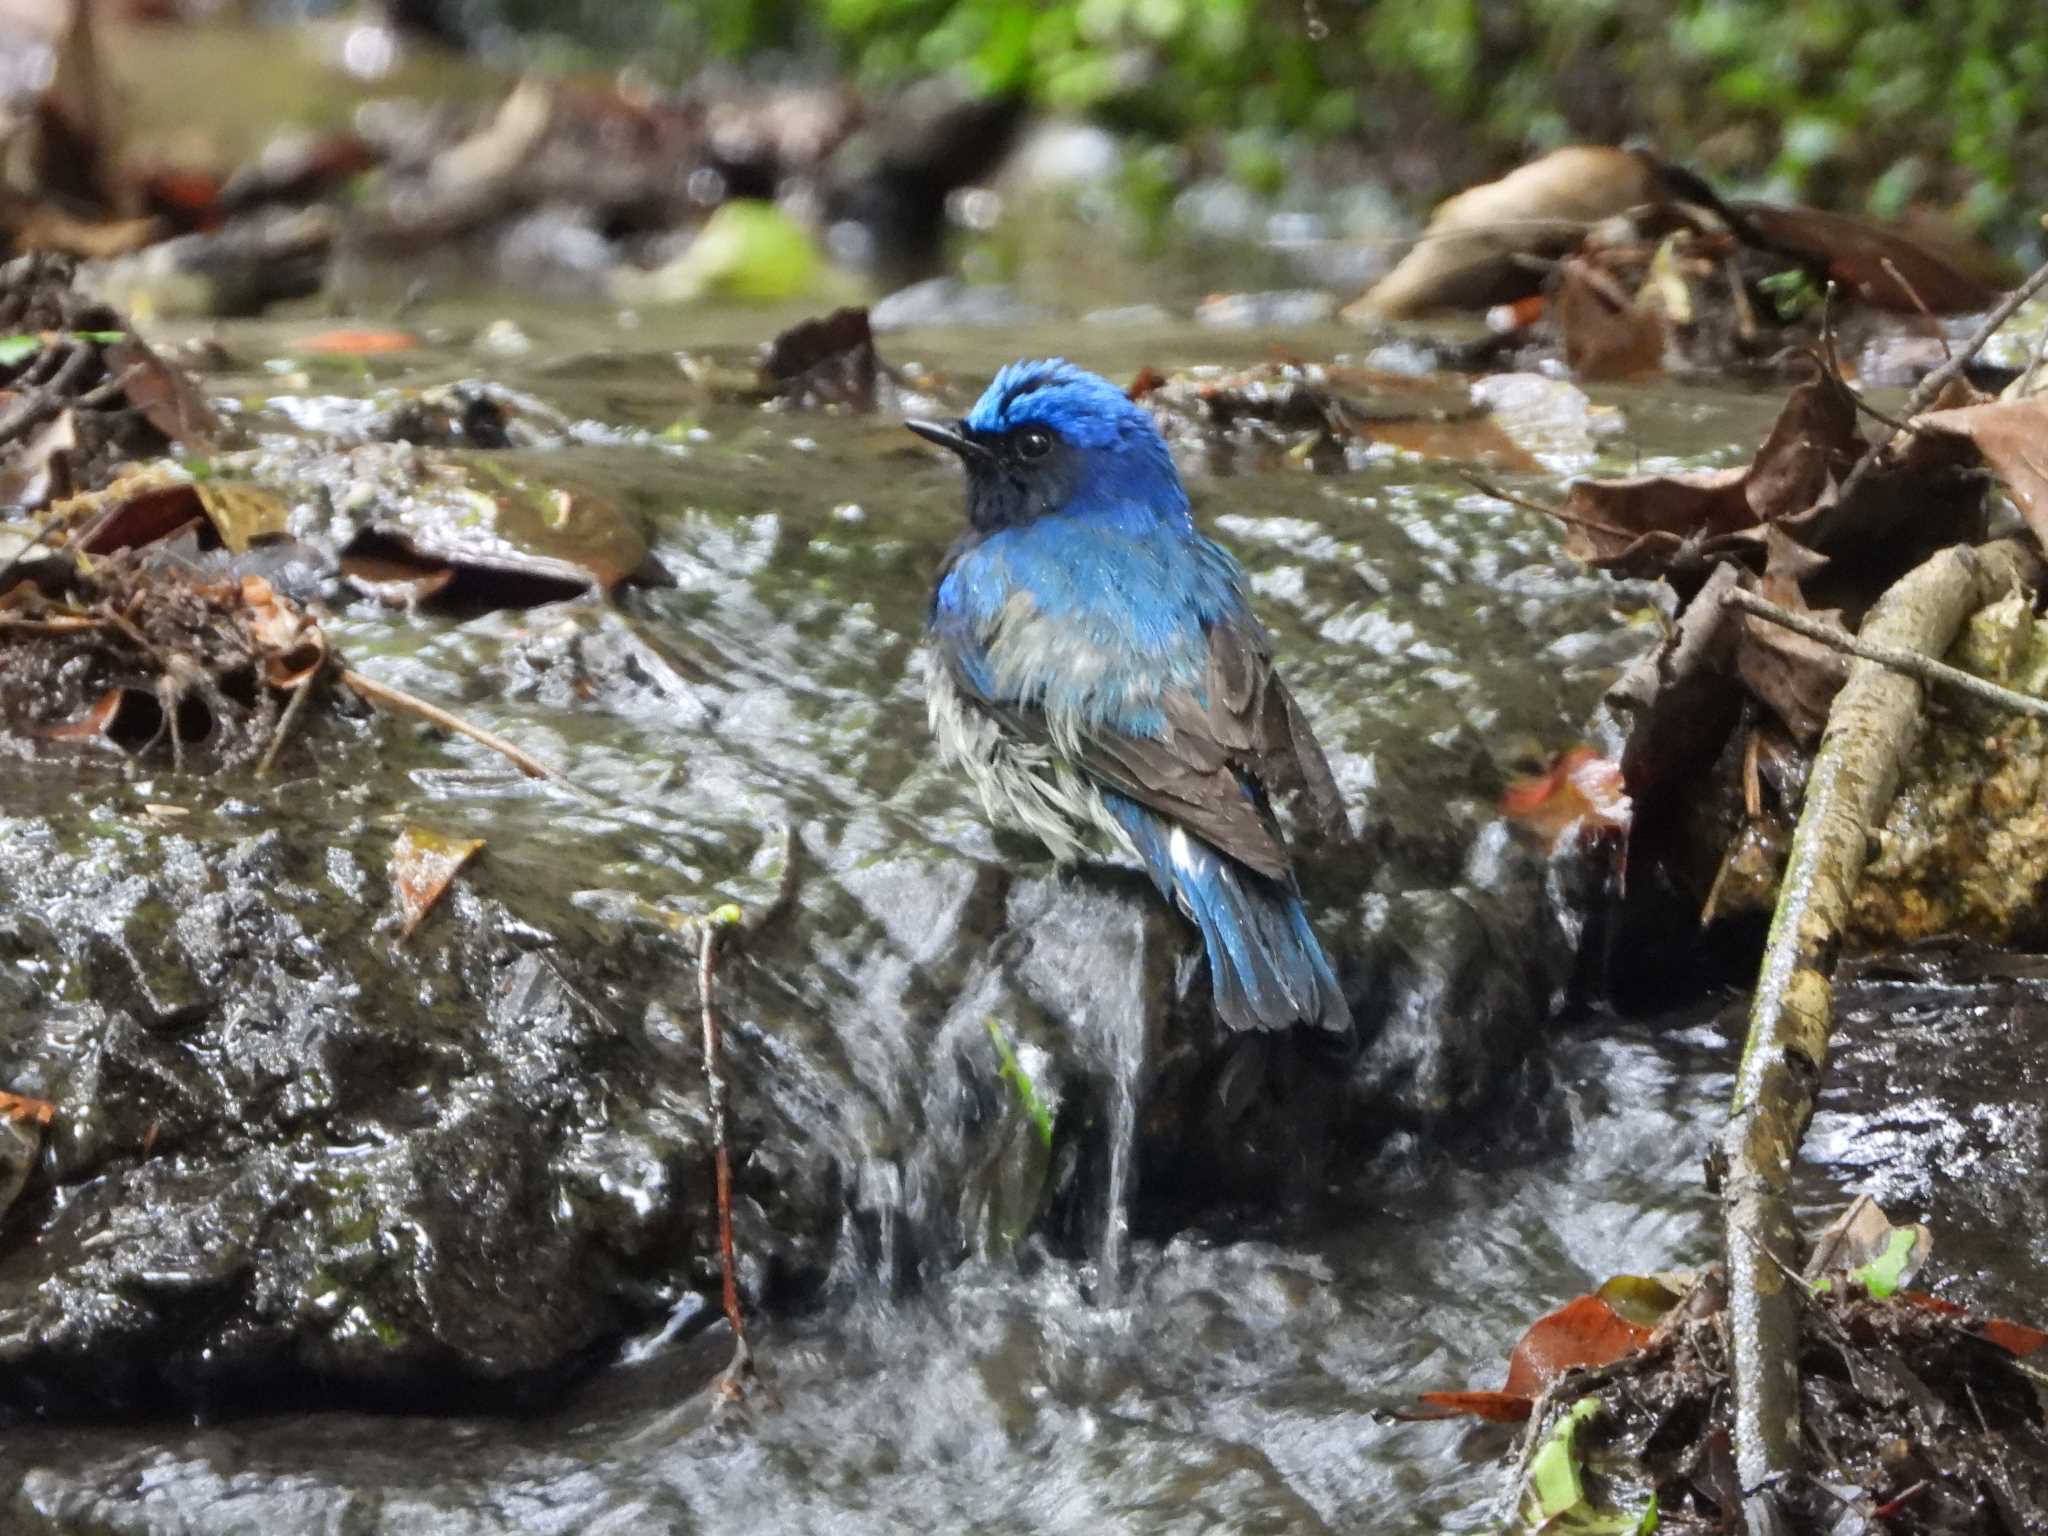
1922,1416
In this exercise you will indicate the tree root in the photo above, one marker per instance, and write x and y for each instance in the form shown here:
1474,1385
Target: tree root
1870,729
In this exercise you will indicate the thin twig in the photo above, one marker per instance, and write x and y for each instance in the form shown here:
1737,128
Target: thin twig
43,531
46,399
1927,389
434,714
728,1263
712,931
63,624
1912,663
1831,360
1892,267
2033,365
292,711
107,389
1487,488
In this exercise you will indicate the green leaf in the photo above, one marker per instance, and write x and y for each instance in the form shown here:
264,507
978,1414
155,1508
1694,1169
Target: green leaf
1020,1080
1642,1299
1554,1500
104,338
1792,293
1883,1275
18,349
1554,1482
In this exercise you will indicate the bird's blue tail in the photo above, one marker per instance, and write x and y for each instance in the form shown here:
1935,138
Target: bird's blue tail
1266,967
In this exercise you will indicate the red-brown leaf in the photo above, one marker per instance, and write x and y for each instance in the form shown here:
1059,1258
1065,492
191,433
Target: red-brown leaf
1583,1332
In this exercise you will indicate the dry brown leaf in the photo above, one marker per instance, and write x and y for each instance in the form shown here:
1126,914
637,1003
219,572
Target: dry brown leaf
394,580
1606,333
166,395
1673,525
1934,267
2012,438
1585,1332
357,343
1467,257
88,726
153,503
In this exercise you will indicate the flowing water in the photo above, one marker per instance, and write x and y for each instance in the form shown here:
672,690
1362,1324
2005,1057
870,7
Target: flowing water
1226,1373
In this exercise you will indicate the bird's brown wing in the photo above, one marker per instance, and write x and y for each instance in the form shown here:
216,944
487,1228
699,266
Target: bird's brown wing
1220,760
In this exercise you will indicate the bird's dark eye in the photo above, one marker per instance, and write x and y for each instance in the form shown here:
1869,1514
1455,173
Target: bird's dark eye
1033,443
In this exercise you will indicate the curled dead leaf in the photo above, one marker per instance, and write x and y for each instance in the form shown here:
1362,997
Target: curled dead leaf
1470,255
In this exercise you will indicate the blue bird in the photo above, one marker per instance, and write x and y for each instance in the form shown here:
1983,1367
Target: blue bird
1099,674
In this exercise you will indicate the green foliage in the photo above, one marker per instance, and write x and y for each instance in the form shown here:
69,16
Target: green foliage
1872,102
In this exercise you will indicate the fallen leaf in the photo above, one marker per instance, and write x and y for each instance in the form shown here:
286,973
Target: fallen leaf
422,866
2012,438
38,469
393,579
1863,1247
2016,1339
1797,678
23,1109
1674,526
515,533
1814,440
831,361
1493,1407
1580,793
1469,256
1935,268
1606,334
149,504
241,512
293,647
91,725
1644,1299
347,343
164,393
1584,1332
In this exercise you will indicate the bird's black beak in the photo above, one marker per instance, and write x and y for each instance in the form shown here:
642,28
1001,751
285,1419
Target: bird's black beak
949,437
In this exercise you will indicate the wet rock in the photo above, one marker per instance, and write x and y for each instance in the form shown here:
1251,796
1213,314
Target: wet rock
419,1171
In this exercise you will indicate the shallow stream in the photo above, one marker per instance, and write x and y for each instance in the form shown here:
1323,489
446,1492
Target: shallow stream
1230,1376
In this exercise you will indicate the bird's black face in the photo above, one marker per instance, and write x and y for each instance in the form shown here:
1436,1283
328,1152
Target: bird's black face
1012,476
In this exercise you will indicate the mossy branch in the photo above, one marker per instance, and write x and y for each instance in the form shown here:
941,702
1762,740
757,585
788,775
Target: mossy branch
1870,729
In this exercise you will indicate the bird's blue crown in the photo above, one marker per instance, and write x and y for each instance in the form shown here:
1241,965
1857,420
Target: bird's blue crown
1083,407
1113,464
